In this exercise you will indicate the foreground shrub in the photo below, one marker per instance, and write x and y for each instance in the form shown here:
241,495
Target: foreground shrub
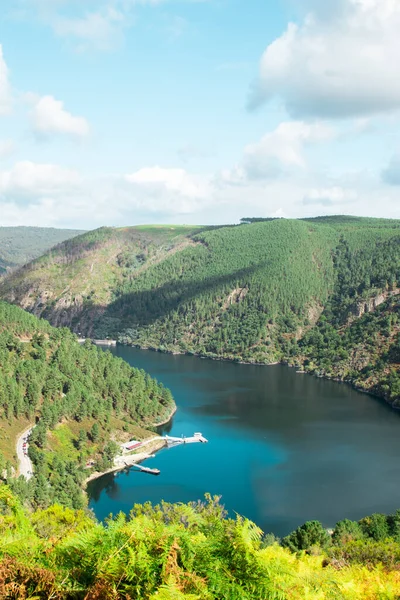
178,552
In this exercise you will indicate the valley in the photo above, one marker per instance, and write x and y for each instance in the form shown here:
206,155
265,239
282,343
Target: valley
321,293
19,245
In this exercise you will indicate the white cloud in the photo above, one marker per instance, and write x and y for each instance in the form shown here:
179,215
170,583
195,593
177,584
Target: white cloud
5,89
340,63
332,196
34,194
100,29
7,147
176,27
89,24
94,24
168,190
27,181
277,151
49,117
148,194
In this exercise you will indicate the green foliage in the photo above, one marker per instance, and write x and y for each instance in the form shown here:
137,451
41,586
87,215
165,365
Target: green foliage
233,293
45,375
265,291
347,531
19,245
372,541
376,527
369,553
176,552
309,535
95,432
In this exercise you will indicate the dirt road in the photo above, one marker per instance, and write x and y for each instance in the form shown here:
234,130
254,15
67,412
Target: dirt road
25,465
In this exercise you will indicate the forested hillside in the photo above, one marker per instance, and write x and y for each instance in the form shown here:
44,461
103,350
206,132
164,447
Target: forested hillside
82,400
19,245
73,283
191,552
301,291
357,337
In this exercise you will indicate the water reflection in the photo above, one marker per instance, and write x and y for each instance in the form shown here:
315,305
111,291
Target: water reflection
283,447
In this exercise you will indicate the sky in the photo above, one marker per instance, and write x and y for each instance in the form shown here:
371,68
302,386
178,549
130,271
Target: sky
124,112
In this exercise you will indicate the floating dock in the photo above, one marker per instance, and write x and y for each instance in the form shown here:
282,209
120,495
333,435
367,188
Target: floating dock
175,441
169,440
146,469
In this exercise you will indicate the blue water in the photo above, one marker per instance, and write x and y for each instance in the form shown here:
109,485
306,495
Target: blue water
283,447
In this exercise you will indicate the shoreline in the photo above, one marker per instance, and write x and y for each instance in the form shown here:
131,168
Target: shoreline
131,459
128,461
204,357
168,419
284,363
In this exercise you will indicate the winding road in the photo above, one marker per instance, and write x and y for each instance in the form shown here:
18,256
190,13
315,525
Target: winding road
25,465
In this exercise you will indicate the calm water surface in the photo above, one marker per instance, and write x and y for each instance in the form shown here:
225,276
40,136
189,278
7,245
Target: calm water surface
283,447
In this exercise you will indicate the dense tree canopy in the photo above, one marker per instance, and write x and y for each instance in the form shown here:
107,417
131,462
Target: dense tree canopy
48,378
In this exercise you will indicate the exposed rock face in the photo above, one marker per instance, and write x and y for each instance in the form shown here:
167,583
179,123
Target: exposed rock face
66,311
236,296
372,304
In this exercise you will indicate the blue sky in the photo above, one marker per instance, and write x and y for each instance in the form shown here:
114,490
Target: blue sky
118,112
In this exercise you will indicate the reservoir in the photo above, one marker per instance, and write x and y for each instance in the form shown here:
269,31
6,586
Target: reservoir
283,447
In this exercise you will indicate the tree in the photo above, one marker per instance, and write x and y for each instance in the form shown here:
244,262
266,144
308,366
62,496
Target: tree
82,439
376,527
347,531
111,450
308,535
95,432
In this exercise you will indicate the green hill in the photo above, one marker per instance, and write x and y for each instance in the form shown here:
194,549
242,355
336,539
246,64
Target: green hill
19,245
263,291
82,400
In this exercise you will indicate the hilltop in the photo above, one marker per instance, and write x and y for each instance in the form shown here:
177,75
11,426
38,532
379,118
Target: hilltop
19,245
309,292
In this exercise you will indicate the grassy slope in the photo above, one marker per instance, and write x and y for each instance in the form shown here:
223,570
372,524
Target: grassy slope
19,245
72,284
246,292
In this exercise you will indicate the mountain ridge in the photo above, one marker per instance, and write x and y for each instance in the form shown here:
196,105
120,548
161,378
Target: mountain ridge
249,293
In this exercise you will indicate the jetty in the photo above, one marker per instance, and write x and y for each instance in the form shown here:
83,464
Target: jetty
146,469
130,457
175,441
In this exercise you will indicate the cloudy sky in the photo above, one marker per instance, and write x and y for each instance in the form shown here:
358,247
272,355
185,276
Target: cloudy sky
119,112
